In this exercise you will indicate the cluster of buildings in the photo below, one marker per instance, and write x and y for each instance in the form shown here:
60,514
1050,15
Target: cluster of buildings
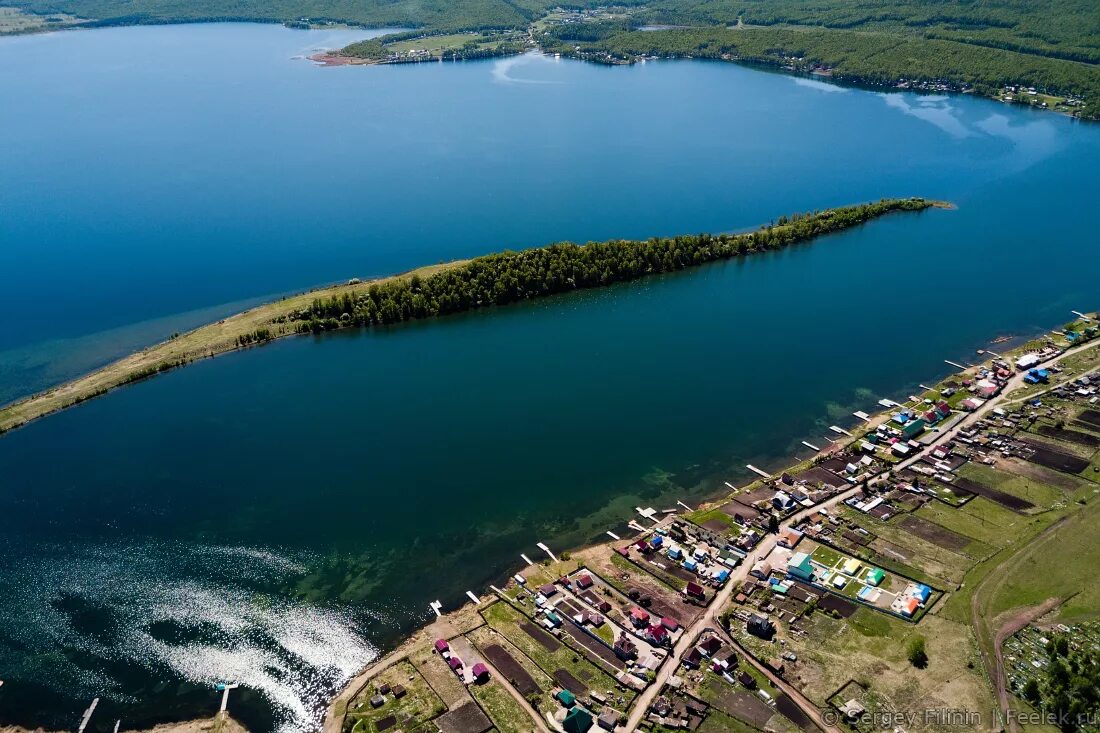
478,673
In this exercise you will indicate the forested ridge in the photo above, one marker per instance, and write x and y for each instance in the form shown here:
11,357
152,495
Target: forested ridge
873,59
510,277
1052,45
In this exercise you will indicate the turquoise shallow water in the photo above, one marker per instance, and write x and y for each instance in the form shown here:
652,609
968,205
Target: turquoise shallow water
278,516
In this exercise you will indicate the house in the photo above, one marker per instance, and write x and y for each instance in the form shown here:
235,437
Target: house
914,427
578,720
800,567
639,617
441,646
789,538
782,501
548,590
670,623
900,449
566,698
987,389
377,701
694,590
455,664
850,566
760,626
553,620
693,658
398,692
675,553
922,592
747,680
761,570
608,720
625,649
583,582
909,607
480,672
1027,361
875,576
657,634
710,646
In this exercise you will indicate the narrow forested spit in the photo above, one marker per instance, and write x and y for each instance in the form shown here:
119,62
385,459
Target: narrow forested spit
509,277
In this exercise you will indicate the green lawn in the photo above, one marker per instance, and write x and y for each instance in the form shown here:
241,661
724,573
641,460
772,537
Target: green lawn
715,515
970,521
419,705
507,714
1038,493
826,556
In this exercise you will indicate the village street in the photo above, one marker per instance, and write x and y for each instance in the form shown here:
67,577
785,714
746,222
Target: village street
721,599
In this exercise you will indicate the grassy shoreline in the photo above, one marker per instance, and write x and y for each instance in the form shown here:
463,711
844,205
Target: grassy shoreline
277,319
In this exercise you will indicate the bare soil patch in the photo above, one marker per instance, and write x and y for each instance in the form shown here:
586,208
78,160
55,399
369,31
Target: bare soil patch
743,705
793,713
1040,473
1057,460
1090,417
1072,436
566,679
465,719
934,533
548,642
841,606
1007,500
511,669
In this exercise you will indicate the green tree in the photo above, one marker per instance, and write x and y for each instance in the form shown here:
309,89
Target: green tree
917,654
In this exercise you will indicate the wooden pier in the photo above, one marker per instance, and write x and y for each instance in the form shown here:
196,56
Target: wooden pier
757,471
87,716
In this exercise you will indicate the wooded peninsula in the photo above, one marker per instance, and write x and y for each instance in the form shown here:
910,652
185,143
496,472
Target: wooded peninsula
454,287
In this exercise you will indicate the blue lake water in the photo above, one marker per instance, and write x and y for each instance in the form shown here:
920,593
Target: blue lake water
279,516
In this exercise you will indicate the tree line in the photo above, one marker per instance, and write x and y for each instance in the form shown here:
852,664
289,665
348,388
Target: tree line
510,277
873,59
1069,688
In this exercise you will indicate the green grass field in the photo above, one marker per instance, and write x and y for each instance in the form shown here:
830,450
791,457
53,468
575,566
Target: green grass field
501,707
976,520
419,705
1037,492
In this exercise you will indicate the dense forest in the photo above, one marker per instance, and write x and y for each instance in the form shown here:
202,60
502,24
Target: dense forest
1070,692
510,277
1052,45
864,58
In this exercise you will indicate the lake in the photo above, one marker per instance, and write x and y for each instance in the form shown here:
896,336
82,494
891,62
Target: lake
281,516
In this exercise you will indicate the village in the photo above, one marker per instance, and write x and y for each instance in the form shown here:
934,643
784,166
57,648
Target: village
788,604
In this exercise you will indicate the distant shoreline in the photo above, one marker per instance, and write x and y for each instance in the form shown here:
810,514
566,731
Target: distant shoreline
599,55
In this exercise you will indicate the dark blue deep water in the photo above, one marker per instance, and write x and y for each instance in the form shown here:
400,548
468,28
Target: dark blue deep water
279,516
